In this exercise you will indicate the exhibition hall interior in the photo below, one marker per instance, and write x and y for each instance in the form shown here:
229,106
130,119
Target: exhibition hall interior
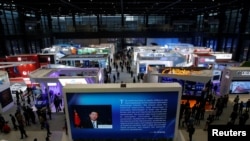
122,70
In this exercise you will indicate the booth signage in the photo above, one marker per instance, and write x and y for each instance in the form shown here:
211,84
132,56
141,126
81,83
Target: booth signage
206,60
142,68
223,56
209,60
203,50
243,73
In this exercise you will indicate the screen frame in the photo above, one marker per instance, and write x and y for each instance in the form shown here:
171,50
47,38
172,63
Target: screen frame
130,87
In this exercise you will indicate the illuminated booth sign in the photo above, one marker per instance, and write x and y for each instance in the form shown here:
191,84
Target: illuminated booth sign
203,60
243,73
223,56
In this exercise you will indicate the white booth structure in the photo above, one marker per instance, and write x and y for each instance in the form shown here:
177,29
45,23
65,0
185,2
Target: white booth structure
6,99
119,108
223,60
146,49
235,80
161,60
58,77
51,81
179,46
86,61
65,49
192,80
108,46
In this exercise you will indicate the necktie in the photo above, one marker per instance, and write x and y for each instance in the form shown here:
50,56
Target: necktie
94,124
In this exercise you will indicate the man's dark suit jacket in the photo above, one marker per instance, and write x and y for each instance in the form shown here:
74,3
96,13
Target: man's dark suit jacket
88,124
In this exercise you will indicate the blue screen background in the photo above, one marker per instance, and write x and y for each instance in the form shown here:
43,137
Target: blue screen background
113,99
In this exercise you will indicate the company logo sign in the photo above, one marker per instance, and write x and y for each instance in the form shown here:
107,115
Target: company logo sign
223,56
243,73
206,60
226,132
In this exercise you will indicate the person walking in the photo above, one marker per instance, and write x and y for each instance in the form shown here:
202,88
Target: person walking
22,130
13,120
28,100
191,131
118,75
47,126
49,113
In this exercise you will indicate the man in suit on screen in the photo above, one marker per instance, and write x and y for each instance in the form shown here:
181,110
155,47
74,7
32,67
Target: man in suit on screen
92,122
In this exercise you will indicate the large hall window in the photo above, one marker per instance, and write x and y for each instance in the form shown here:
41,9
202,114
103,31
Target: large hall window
8,22
44,24
110,23
86,23
248,23
134,22
156,22
69,24
55,23
235,20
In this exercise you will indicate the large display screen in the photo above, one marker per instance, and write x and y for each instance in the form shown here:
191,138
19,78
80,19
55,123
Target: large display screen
240,87
5,97
123,115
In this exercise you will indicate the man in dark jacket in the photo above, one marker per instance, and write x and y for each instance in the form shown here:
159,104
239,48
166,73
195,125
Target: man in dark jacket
13,120
191,131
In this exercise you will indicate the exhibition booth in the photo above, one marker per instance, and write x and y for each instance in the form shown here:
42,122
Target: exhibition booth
65,49
89,50
19,66
204,60
45,59
23,64
160,60
146,49
86,61
223,60
17,87
183,50
179,46
187,53
119,108
106,47
51,80
6,99
235,80
202,50
192,79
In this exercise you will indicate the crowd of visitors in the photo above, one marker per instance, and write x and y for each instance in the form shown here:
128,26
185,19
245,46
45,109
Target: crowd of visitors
211,108
27,114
